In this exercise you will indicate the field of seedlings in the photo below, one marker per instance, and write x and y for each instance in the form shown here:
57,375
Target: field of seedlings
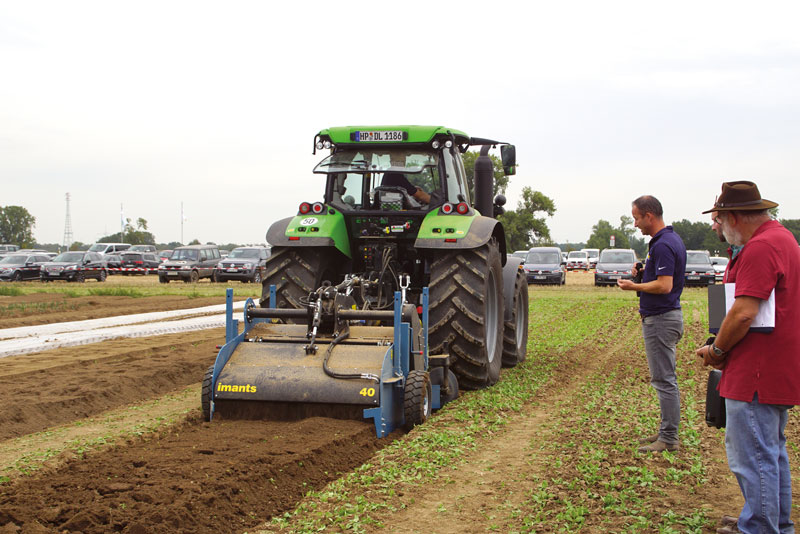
108,437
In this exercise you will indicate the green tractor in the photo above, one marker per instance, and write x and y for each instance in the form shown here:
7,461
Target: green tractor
397,216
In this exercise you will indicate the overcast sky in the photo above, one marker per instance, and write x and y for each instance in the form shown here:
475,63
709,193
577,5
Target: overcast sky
215,105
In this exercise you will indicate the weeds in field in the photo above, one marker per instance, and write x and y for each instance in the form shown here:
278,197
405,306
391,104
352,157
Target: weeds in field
10,291
425,454
116,292
28,308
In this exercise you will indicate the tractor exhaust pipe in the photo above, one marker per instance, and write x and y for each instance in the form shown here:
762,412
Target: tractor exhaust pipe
484,183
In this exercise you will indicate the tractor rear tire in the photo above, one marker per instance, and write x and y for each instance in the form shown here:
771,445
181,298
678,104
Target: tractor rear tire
515,330
295,272
205,394
417,398
466,313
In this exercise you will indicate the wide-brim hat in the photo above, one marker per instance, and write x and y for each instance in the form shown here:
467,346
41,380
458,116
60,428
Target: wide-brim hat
741,196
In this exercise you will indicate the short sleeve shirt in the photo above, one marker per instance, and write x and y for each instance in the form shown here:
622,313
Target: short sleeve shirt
767,363
666,257
399,180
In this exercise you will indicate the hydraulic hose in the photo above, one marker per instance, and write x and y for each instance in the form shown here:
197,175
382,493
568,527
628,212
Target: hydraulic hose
345,376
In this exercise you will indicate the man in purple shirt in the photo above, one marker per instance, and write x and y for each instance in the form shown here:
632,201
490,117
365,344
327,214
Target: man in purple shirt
662,320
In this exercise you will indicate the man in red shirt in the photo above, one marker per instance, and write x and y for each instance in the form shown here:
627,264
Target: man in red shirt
761,371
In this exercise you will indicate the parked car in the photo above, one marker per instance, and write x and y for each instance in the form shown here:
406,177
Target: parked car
614,264
699,271
564,257
520,254
8,248
143,248
19,267
543,265
113,263
75,266
109,248
138,262
164,255
594,256
245,264
190,264
578,259
719,263
224,253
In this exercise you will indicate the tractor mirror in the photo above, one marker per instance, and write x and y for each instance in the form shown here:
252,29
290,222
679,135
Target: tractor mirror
508,153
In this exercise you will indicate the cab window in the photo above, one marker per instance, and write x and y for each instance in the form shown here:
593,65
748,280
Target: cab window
455,190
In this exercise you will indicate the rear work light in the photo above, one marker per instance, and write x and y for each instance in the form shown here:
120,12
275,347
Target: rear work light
317,207
305,207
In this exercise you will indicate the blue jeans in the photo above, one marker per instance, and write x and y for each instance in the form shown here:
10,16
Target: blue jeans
756,448
661,335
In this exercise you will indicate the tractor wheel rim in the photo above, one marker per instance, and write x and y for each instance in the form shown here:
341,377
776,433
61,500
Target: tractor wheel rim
491,318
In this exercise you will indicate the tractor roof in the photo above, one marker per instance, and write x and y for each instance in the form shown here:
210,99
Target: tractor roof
410,134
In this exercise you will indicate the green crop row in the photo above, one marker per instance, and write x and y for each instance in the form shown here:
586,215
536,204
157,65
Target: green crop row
425,454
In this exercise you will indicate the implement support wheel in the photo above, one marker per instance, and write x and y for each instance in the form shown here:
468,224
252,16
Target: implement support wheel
205,394
417,399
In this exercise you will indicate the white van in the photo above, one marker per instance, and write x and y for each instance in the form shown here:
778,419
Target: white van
109,248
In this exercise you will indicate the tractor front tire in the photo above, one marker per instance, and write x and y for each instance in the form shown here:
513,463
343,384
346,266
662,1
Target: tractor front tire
295,272
515,330
466,313
417,398
205,394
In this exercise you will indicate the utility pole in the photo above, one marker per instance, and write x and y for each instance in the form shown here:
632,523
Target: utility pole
121,224
67,228
182,219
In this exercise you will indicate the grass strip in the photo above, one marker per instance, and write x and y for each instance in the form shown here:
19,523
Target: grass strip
596,479
425,454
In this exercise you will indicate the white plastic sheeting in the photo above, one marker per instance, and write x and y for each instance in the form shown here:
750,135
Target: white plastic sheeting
28,339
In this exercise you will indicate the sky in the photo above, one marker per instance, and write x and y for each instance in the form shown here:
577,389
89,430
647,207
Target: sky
138,108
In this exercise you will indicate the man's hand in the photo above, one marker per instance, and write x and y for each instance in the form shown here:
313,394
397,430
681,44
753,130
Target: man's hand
627,285
709,358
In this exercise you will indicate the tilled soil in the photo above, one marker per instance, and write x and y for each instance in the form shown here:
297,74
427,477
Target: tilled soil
224,476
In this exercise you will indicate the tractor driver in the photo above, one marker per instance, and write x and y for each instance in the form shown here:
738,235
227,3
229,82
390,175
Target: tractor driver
399,179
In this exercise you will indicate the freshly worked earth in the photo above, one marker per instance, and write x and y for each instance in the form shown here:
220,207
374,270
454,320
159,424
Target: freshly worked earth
108,438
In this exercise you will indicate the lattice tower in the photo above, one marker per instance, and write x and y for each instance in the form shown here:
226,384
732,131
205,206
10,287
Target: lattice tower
68,228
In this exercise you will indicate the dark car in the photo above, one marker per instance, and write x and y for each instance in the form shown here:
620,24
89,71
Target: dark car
245,264
164,255
699,270
614,264
138,262
75,266
190,264
543,265
19,267
113,263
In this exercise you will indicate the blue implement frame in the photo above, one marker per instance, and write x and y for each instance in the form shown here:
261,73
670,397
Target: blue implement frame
388,415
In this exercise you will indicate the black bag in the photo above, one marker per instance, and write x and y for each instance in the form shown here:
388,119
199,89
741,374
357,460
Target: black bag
715,405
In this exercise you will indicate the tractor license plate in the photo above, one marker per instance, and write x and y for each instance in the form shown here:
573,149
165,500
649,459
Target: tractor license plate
694,278
539,277
379,136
